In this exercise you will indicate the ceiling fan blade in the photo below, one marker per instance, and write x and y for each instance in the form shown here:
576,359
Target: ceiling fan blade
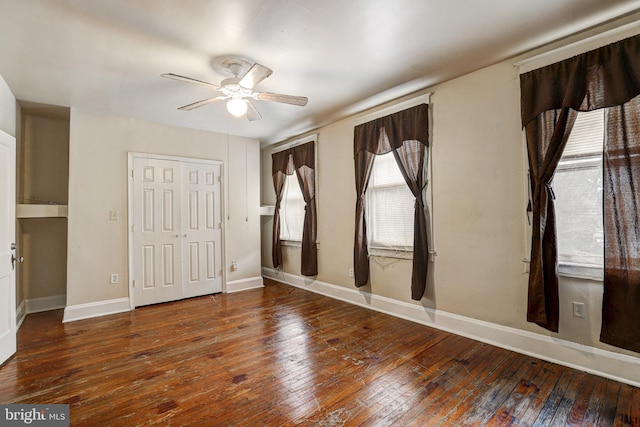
252,112
255,75
201,103
285,99
189,80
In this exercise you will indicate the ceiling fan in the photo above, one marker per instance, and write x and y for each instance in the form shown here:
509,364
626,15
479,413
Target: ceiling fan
238,89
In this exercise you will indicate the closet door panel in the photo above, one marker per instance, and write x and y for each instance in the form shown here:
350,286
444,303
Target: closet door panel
202,204
157,243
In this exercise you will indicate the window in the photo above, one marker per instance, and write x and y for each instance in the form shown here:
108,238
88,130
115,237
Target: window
577,185
390,207
295,220
291,210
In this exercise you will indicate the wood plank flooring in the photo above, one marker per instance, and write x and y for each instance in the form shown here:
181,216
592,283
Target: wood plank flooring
281,356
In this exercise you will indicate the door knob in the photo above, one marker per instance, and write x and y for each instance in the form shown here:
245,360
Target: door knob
14,260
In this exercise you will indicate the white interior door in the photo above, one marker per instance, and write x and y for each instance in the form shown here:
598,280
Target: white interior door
157,236
177,229
7,238
202,225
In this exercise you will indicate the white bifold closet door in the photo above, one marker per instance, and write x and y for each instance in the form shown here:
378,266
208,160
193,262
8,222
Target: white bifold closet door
177,229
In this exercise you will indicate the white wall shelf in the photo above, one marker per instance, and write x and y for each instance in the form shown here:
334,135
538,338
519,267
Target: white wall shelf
267,210
41,211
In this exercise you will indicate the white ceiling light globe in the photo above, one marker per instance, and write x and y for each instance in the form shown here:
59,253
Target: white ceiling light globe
237,107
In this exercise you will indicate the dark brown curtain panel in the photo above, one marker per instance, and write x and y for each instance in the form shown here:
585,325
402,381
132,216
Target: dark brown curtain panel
406,133
281,166
547,136
608,77
301,160
304,161
412,158
363,165
621,302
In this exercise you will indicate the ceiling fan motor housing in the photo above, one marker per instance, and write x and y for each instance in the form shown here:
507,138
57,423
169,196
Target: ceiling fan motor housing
231,87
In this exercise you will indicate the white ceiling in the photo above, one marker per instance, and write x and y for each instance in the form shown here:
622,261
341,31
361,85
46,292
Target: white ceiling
344,55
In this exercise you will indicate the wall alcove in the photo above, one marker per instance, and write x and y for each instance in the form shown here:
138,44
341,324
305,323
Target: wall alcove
41,212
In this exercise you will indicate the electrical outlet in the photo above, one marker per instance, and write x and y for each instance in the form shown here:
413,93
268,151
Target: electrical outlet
114,278
578,309
234,265
351,272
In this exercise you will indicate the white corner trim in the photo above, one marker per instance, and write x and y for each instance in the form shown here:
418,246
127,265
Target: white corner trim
95,309
608,364
21,314
37,305
244,284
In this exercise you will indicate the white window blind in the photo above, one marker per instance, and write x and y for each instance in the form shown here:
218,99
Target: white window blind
291,210
390,207
577,185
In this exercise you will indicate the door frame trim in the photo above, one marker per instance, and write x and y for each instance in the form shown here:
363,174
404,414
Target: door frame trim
131,155
9,336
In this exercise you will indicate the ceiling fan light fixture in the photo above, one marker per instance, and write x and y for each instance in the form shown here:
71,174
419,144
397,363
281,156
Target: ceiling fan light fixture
237,107
238,90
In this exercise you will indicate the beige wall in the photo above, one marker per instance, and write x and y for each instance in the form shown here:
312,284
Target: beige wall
98,151
43,244
44,168
478,212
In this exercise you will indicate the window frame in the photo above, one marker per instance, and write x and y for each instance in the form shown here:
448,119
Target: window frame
286,146
283,205
379,248
588,162
585,161
529,63
424,98
565,269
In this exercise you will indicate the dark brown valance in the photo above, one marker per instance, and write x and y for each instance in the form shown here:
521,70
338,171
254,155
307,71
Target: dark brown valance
601,78
608,77
407,125
406,133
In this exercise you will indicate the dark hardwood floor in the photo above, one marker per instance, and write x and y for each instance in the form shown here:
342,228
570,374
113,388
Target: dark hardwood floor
281,356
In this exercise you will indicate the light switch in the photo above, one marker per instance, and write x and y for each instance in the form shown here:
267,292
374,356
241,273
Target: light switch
114,215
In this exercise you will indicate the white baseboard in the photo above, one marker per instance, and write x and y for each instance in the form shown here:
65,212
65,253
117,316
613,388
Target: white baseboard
37,305
244,284
21,314
95,309
119,305
608,364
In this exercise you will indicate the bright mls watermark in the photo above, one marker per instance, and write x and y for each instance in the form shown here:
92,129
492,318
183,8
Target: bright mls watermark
34,415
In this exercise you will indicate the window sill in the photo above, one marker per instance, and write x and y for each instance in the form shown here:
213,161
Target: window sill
295,243
578,271
391,253
291,243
